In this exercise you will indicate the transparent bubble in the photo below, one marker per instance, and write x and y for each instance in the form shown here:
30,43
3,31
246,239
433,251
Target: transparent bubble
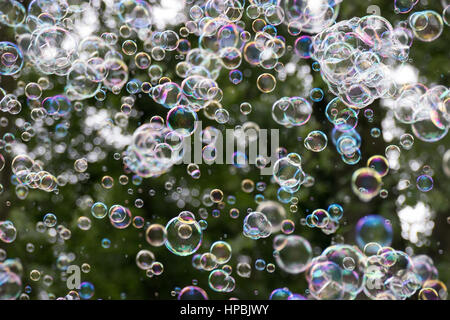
50,220
192,293
266,82
380,164
406,141
80,165
427,25
99,210
373,228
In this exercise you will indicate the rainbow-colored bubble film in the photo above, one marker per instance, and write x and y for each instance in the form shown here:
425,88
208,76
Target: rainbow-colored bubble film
224,149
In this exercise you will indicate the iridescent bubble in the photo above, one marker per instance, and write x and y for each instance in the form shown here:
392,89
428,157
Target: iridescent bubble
184,234
12,13
302,47
343,117
142,60
406,141
439,287
320,218
427,25
222,251
84,223
8,232
292,253
316,141
404,6
144,259
266,82
428,294
235,76
11,59
99,210
192,293
129,47
246,108
220,281
33,91
280,294
183,120
256,225
316,94
366,183
50,220
287,226
380,164
446,14
216,195
80,165
335,211
288,172
291,111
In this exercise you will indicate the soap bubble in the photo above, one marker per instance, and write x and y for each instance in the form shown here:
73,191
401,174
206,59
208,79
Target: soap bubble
182,119
8,232
380,164
156,235
220,281
144,259
274,212
366,183
266,82
373,228
424,183
184,235
99,210
192,293
86,290
292,253
222,251
316,141
291,111
50,220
